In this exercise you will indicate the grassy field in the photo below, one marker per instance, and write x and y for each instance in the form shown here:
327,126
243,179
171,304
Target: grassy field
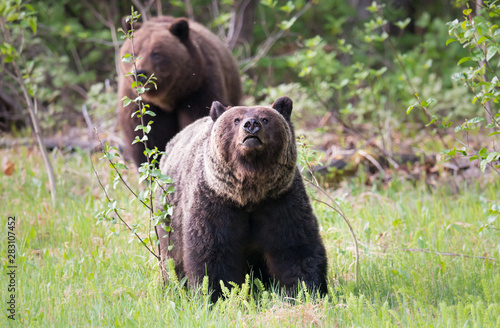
71,273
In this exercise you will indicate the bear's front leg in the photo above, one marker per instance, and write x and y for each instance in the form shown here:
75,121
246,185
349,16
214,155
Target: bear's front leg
214,238
290,265
289,236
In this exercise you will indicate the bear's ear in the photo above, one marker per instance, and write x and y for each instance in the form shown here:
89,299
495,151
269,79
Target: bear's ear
180,28
284,106
217,110
126,25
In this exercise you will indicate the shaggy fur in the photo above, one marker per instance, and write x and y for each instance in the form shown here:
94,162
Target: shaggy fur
193,68
239,201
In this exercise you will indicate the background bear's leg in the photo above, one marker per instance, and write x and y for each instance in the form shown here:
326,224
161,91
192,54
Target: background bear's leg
197,104
214,241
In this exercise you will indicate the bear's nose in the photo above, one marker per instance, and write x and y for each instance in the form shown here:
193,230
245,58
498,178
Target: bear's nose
251,125
141,79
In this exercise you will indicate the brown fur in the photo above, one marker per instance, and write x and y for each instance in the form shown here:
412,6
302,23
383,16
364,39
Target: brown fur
193,68
239,201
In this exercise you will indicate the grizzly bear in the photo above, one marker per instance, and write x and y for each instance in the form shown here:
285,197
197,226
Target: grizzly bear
192,69
239,203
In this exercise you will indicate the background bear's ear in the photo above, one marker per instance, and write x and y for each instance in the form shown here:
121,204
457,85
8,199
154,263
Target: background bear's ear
284,106
180,28
217,110
126,25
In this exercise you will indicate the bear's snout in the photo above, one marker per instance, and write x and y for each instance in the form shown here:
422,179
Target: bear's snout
251,125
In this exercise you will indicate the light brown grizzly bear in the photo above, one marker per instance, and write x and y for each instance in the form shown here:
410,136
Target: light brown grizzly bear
239,201
193,68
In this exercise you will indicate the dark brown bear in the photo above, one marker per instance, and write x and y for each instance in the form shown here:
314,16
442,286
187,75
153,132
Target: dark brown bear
239,201
193,68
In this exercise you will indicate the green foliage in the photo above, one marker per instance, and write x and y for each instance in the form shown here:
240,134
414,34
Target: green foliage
307,157
64,57
16,19
357,79
479,35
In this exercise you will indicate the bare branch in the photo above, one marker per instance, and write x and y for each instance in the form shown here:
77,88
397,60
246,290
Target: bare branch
32,104
236,25
120,175
118,214
338,209
215,13
189,9
159,10
371,159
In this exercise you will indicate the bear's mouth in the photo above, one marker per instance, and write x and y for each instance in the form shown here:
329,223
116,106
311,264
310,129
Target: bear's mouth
252,141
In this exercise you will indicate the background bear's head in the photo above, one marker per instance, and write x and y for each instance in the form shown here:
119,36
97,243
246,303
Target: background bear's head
253,149
168,49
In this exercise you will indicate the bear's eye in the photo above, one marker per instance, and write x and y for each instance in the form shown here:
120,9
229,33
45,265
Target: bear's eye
236,121
265,120
155,56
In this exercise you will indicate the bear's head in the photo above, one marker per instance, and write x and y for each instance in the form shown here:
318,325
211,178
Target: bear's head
168,50
252,153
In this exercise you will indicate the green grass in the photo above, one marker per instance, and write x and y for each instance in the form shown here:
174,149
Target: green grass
72,273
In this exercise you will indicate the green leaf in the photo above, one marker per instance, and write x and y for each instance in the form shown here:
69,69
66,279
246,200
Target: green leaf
482,39
121,166
491,51
494,155
286,24
112,205
470,32
431,101
434,119
467,12
288,8
32,22
475,120
29,7
409,109
464,25
450,41
269,3
482,165
493,133
126,101
127,58
463,60
459,76
402,24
